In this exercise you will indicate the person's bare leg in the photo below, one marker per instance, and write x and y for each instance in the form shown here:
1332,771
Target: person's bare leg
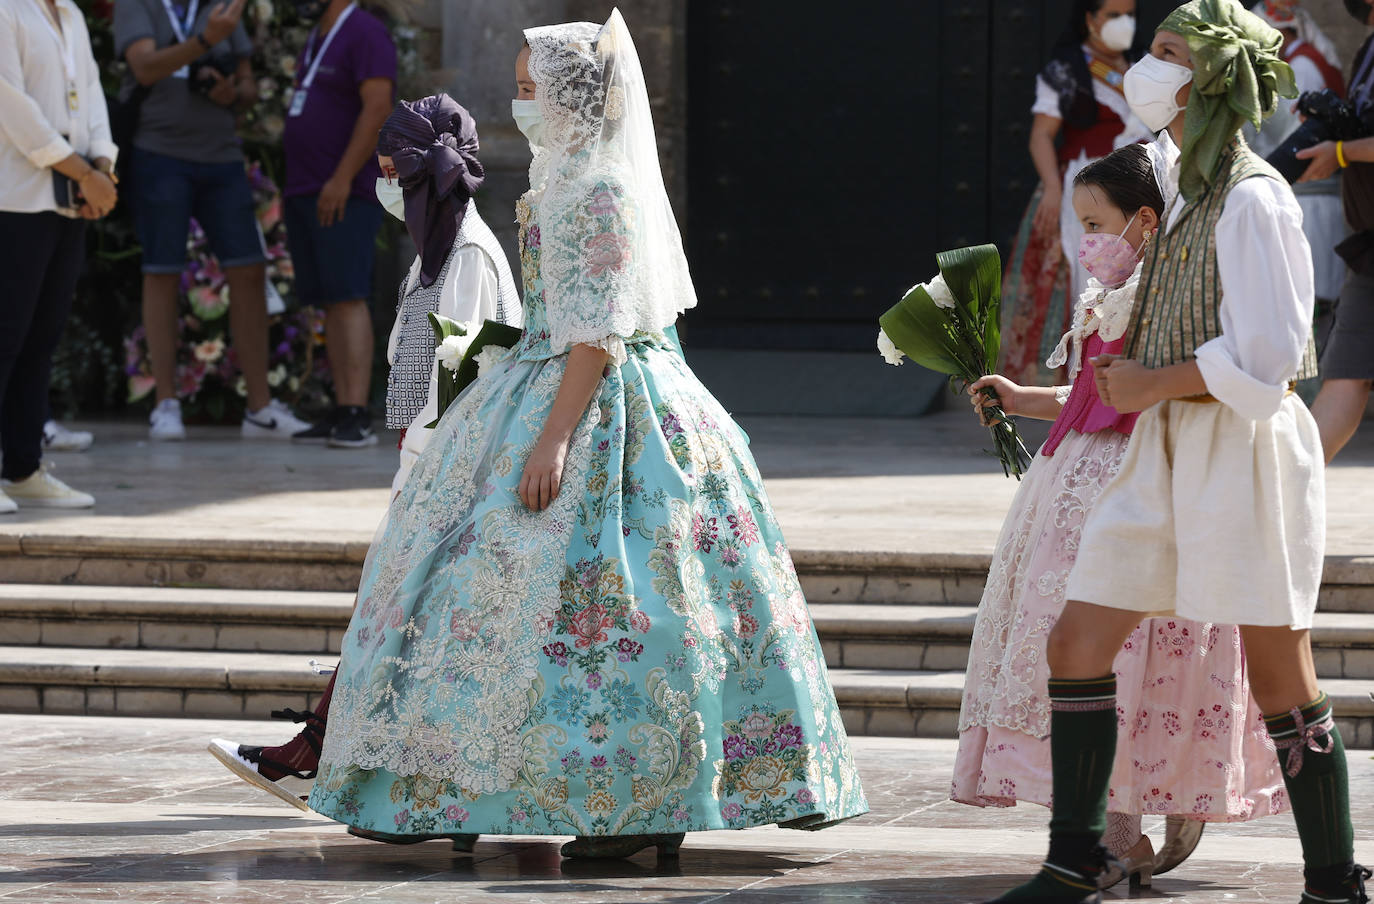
160,326
1086,639
1298,716
348,341
1338,409
248,328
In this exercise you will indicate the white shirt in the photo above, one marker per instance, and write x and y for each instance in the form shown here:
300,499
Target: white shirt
1267,297
468,295
1047,104
34,113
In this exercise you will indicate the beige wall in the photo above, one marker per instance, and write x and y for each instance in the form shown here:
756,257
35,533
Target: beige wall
1339,26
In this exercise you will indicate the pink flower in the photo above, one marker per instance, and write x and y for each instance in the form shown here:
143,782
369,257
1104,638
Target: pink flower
731,811
748,626
606,251
602,204
806,796
639,621
757,725
456,813
590,625
402,818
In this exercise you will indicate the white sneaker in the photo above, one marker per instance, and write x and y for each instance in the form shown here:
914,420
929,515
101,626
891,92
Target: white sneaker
42,490
7,505
166,422
273,421
57,438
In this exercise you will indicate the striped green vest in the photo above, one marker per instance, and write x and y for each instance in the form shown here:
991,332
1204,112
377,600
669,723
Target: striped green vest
1178,306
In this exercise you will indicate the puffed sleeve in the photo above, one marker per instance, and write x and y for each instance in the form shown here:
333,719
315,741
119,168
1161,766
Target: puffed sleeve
585,249
1265,265
1046,99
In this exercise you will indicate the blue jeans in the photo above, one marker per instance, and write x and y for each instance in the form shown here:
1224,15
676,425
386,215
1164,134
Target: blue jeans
168,191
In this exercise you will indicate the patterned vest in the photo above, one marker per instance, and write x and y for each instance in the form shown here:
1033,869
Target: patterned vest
407,386
1178,307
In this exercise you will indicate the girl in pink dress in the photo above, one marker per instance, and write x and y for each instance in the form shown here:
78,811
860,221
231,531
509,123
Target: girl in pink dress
1175,678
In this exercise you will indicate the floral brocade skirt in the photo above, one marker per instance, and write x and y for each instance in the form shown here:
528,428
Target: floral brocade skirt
1191,740
638,658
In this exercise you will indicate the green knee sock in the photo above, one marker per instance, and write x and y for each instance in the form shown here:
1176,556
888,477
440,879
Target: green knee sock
1318,789
1082,748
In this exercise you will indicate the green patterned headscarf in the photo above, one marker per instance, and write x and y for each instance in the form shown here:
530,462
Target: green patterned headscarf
1237,78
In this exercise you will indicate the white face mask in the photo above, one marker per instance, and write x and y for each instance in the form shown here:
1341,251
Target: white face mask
529,120
1151,87
392,198
1118,33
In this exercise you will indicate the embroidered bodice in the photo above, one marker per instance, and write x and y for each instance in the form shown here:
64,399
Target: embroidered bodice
1099,327
536,343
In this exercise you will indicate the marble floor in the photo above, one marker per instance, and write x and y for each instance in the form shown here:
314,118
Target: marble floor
133,810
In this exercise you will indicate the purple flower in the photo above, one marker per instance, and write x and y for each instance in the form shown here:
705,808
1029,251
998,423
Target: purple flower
598,762
788,736
671,426
402,818
593,680
806,796
737,748
732,811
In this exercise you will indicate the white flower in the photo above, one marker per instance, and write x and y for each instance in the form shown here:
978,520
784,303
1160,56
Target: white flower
209,351
276,376
262,10
450,352
889,350
241,387
939,292
489,356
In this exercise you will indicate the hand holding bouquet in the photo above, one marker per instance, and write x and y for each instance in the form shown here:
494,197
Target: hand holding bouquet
950,325
463,351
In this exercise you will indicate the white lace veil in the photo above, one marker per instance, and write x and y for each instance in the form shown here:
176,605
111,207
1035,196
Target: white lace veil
611,255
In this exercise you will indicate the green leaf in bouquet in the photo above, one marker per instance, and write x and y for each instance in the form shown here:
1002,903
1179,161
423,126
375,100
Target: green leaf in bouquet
974,276
921,329
452,383
444,327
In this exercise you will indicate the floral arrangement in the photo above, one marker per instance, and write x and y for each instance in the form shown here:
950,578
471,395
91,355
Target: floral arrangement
465,352
951,325
207,374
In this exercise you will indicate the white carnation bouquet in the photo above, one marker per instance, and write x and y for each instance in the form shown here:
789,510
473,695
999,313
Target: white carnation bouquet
465,351
951,325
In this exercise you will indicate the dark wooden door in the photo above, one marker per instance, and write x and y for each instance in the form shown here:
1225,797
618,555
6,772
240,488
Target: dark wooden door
833,149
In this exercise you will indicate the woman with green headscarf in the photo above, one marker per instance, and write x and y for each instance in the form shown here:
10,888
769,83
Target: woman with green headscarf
1219,504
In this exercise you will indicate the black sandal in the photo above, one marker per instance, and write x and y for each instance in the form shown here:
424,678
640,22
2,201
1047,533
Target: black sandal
462,843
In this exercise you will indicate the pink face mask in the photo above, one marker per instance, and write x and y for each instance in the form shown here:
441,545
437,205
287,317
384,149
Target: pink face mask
1109,258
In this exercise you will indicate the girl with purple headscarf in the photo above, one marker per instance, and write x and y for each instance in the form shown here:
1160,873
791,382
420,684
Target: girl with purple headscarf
428,153
427,150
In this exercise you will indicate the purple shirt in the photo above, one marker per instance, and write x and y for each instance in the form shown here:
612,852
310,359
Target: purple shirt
315,141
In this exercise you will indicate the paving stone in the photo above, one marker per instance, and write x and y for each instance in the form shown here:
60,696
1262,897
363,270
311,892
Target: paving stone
19,699
272,638
938,723
64,701
83,633
177,635
100,701
20,630
142,701
879,655
214,704
891,723
942,657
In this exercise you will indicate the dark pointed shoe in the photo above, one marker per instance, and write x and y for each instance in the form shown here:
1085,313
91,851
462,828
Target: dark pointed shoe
1350,890
463,843
617,847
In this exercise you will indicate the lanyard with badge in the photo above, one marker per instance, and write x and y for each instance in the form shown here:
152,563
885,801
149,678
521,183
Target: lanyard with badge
68,56
181,28
312,61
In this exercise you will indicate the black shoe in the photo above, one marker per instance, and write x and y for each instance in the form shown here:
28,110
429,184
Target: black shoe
318,435
353,430
1347,890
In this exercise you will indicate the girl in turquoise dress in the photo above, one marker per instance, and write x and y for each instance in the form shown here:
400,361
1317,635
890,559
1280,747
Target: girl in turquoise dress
580,617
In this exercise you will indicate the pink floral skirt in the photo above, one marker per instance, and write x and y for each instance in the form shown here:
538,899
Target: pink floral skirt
1191,738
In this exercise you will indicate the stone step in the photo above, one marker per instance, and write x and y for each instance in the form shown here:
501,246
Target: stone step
870,636
925,704
64,680
828,575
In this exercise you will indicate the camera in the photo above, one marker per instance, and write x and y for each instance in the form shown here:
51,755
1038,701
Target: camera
201,81
1329,118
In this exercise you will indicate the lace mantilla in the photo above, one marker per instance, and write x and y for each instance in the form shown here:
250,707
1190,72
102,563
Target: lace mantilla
1100,310
612,262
